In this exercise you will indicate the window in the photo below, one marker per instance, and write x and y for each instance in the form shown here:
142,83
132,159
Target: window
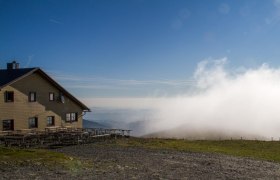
61,98
50,121
8,125
32,96
70,117
33,122
51,96
9,96
74,117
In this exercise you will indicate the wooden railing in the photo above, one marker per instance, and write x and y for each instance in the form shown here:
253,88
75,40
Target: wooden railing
59,136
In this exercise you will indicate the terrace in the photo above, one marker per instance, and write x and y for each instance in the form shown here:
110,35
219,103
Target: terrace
59,136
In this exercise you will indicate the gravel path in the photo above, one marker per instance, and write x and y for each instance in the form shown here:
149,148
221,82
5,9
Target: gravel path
113,162
139,163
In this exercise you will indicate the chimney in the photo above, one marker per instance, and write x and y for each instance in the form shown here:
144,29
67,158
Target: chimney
12,65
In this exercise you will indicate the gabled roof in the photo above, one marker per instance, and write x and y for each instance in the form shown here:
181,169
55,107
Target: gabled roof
8,77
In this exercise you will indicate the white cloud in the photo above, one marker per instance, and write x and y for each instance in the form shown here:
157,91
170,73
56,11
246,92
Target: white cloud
55,21
108,83
30,58
177,24
125,102
183,15
276,3
274,17
245,103
210,72
224,8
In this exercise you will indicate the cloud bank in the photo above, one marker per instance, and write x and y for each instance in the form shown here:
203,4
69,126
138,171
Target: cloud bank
225,103
240,104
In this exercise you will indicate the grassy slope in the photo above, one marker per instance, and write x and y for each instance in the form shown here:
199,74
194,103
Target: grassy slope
39,156
264,150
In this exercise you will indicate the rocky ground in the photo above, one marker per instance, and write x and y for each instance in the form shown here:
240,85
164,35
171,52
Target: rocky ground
116,162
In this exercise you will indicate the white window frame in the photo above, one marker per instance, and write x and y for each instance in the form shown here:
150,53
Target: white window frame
32,97
50,120
51,96
71,117
33,122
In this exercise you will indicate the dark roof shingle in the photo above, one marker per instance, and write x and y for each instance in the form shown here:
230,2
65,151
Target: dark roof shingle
9,76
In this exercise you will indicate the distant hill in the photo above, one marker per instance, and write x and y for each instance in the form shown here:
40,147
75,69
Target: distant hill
93,124
135,120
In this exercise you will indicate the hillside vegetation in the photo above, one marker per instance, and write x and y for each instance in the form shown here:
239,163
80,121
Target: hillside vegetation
263,150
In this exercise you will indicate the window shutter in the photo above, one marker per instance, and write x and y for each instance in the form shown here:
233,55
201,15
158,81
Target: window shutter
36,122
6,96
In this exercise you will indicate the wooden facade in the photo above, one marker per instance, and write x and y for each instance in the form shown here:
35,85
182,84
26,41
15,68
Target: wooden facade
36,101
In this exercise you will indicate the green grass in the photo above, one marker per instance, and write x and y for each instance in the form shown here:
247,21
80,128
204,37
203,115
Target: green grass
39,157
263,150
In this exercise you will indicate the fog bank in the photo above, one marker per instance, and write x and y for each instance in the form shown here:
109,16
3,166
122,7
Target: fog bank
223,104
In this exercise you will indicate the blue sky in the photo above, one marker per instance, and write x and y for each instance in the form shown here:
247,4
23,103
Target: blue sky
136,48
